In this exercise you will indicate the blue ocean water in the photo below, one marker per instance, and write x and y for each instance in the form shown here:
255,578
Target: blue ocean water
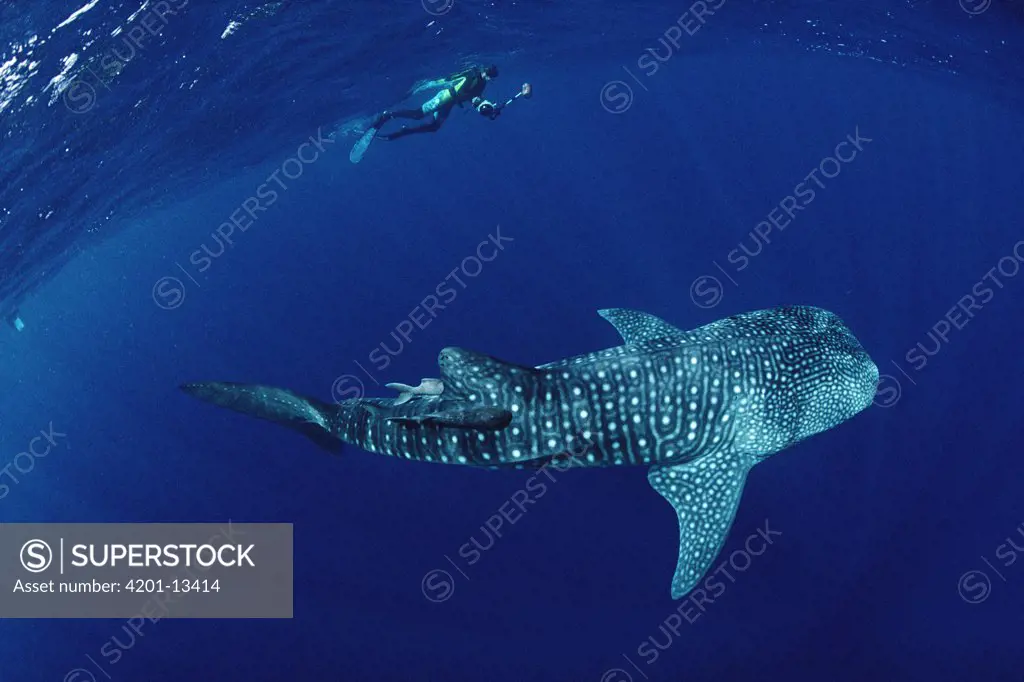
651,169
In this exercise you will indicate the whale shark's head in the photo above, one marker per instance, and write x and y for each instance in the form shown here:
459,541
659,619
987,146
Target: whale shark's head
830,376
859,374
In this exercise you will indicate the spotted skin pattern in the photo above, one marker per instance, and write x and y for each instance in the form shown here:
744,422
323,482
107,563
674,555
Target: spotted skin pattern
698,407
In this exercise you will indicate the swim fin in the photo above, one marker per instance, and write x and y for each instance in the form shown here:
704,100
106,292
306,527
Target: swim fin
361,145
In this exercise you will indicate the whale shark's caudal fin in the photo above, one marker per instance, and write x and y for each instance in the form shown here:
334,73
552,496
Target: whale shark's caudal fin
705,494
308,416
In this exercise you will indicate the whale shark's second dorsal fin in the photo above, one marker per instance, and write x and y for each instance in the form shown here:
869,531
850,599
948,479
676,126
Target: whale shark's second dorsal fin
468,372
636,327
705,494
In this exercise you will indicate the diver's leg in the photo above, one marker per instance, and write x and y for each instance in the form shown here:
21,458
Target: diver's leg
386,116
437,106
431,127
415,114
438,109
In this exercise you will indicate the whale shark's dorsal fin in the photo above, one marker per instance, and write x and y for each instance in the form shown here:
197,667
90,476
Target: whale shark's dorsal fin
705,494
636,327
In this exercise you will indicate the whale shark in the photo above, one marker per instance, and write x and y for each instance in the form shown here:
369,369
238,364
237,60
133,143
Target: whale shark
699,408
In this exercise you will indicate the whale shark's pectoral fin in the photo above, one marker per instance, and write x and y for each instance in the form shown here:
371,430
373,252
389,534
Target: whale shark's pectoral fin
637,327
705,494
481,419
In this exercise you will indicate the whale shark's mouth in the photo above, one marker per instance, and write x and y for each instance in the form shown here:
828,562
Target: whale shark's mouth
860,372
872,372
853,363
870,377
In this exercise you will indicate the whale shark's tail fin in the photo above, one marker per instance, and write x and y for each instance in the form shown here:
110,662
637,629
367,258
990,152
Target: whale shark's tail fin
308,416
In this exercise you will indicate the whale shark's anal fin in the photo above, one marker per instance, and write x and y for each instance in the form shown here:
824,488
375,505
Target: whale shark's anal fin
308,416
316,433
705,494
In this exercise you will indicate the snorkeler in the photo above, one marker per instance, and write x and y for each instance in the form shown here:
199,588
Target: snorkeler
457,89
